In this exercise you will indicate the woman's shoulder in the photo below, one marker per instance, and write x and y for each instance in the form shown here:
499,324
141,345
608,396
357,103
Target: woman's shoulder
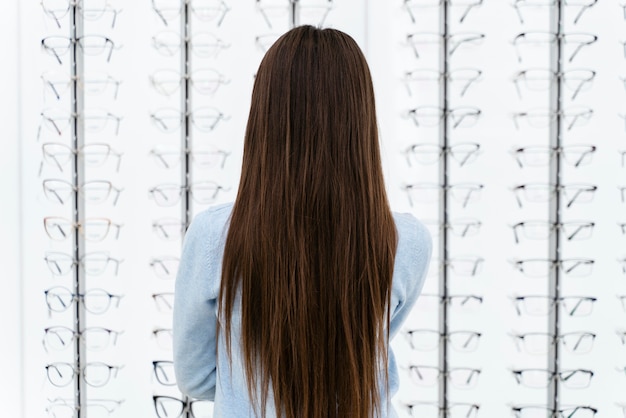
410,228
212,216
209,225
414,242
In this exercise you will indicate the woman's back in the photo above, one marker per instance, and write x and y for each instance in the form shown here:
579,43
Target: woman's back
200,374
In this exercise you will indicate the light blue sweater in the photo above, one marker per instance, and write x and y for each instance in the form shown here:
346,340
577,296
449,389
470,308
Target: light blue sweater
198,373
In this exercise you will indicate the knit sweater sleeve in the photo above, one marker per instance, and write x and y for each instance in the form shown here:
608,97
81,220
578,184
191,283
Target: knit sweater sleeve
195,314
412,267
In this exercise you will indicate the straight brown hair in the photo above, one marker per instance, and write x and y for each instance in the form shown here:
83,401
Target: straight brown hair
311,243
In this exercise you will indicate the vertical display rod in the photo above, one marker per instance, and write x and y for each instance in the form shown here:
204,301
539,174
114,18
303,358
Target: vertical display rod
556,55
185,108
443,214
78,207
294,13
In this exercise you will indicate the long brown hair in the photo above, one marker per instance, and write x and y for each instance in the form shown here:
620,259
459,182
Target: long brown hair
311,242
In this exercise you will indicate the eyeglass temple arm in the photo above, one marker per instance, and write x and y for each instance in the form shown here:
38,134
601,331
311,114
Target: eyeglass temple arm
469,8
158,12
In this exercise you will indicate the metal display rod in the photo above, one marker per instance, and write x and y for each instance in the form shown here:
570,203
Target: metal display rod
443,212
78,206
294,13
556,65
186,130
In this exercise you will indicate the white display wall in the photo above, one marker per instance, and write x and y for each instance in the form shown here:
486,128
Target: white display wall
480,267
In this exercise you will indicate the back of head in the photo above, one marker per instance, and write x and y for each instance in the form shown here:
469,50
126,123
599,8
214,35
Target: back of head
311,241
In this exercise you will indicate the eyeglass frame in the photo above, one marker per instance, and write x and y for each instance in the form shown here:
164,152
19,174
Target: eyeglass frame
558,226
476,3
80,298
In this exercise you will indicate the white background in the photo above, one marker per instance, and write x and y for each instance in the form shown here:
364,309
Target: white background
380,28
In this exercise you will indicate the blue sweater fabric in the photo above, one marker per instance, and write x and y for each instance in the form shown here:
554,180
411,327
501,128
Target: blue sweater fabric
199,373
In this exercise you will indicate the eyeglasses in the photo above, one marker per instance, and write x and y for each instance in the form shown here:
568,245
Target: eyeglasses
168,229
264,42
92,45
462,153
538,156
204,10
584,5
170,407
543,305
164,372
58,9
163,338
462,116
467,5
96,301
463,303
203,44
432,410
460,227
541,378
312,13
170,194
65,408
205,119
459,377
206,157
542,118
540,267
537,343
95,120
542,193
428,340
165,267
96,374
96,338
464,77
94,191
542,79
532,411
575,41
94,83
94,263
205,81
421,40
94,155
465,266
429,193
539,230
164,301
92,229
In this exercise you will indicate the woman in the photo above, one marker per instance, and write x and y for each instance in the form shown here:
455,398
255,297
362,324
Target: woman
286,299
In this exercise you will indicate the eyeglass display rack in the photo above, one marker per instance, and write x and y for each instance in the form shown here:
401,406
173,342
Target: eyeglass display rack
556,204
445,208
78,406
